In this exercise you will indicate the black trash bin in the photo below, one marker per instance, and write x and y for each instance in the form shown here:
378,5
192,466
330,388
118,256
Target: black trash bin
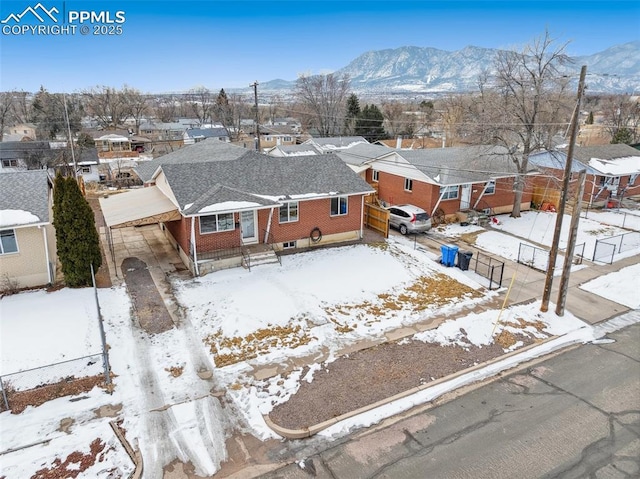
464,259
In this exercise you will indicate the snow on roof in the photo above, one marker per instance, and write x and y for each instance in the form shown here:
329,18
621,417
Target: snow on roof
17,218
229,206
618,166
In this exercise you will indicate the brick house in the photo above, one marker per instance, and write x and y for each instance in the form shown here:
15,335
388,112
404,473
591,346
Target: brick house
449,180
613,171
229,204
27,236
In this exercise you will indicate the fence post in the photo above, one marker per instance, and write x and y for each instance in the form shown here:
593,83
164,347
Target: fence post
105,354
4,395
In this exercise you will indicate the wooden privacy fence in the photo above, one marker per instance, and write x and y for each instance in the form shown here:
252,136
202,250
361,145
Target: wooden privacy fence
377,219
542,195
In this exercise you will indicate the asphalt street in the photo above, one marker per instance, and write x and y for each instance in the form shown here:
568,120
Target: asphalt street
572,415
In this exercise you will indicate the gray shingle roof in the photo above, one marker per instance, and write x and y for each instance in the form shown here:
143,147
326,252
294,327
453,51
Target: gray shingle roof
460,165
604,152
198,184
26,191
203,151
557,160
361,153
22,149
337,141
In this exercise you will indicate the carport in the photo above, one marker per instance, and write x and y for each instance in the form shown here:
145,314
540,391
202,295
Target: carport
138,207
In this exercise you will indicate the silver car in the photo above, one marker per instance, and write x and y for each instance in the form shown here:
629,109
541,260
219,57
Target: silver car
409,219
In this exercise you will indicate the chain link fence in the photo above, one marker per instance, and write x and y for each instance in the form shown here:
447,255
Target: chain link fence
607,248
51,381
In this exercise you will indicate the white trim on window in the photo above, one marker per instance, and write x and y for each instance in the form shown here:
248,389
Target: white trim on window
490,187
408,184
289,212
450,192
8,242
339,206
375,174
217,223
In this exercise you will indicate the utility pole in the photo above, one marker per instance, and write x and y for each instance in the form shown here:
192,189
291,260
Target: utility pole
553,253
257,120
571,245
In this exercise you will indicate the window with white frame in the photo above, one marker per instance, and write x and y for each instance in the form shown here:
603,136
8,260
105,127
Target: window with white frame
8,242
449,192
289,212
288,245
339,206
490,187
408,184
375,175
216,223
9,163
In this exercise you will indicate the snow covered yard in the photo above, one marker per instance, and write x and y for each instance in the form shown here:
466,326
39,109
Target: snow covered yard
312,306
537,228
322,299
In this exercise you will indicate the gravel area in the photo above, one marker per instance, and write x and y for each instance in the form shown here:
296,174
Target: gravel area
373,374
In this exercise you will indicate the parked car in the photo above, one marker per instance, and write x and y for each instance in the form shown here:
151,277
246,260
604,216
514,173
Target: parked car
409,219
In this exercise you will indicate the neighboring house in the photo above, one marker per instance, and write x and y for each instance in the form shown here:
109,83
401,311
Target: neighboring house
164,131
292,150
26,131
22,155
195,135
333,144
613,171
275,135
446,180
113,143
228,200
27,236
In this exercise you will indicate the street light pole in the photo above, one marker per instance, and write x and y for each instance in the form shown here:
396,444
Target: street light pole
553,253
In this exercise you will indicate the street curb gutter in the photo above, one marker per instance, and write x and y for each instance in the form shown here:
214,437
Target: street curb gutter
134,455
316,428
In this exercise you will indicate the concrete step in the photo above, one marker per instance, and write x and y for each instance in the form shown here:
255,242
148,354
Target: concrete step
267,257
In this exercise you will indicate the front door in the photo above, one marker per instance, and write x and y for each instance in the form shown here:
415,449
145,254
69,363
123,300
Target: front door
465,197
248,225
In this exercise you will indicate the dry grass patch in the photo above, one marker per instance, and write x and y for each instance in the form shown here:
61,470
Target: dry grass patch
232,350
175,371
424,293
471,238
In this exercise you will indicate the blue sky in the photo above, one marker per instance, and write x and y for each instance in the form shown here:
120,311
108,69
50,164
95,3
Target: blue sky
170,46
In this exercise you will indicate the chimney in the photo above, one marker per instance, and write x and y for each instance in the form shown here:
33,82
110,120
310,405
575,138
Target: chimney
399,142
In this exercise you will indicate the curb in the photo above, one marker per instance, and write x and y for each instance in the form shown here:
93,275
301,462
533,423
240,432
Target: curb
134,455
316,428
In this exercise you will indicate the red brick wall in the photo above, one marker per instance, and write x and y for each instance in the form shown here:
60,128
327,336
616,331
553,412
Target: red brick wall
425,195
311,214
181,231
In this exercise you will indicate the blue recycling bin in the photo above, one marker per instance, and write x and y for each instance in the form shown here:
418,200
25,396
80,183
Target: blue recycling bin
449,252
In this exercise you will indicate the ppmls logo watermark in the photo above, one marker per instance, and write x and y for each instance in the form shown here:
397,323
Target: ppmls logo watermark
39,20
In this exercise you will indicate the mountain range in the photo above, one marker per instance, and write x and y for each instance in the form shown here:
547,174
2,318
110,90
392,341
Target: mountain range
412,70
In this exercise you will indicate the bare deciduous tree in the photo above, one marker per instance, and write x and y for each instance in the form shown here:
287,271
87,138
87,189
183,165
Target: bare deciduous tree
107,105
621,112
6,107
526,105
200,101
137,105
324,97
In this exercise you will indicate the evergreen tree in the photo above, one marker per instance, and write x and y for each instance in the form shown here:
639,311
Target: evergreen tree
369,124
77,239
353,112
590,118
623,135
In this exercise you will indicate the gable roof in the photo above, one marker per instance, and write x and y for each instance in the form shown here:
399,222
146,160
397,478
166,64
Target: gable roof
604,160
205,132
261,179
203,151
294,150
360,153
462,165
24,198
10,150
336,141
